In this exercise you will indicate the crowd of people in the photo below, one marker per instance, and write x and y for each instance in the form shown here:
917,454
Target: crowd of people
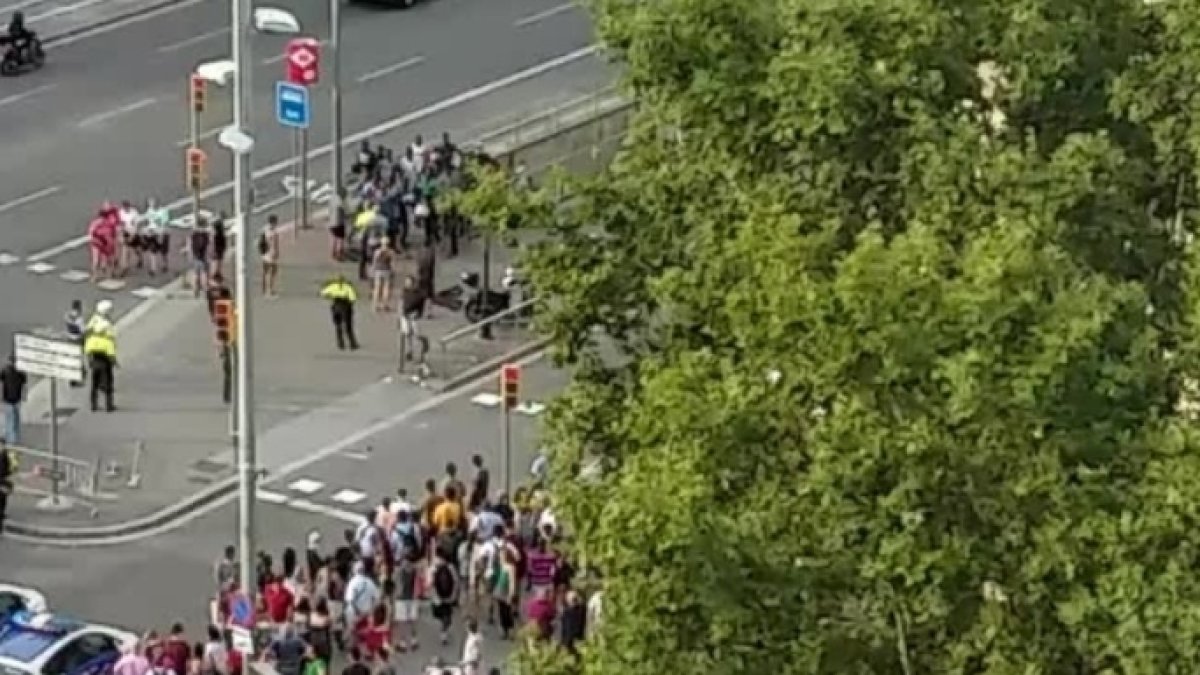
475,563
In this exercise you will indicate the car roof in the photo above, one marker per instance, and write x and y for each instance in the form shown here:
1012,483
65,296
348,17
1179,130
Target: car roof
61,629
34,599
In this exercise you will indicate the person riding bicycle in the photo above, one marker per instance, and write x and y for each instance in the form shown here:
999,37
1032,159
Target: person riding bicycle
18,36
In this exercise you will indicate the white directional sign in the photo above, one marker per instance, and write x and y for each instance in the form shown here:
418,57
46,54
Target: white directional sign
49,357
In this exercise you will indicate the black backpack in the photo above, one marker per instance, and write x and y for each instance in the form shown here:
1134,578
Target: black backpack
443,582
263,246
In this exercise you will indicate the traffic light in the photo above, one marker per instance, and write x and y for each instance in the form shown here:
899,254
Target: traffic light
510,384
199,93
225,320
197,162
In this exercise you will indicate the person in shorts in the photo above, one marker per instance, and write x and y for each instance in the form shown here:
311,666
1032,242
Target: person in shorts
406,604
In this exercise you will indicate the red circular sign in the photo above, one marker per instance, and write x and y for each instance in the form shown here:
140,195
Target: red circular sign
303,58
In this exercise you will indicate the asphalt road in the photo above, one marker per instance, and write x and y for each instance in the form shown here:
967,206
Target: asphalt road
107,120
165,578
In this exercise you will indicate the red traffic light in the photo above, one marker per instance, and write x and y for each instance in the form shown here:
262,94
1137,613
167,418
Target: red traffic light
199,91
223,319
196,163
510,373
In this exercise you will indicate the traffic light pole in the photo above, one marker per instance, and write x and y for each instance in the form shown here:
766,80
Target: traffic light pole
506,436
194,135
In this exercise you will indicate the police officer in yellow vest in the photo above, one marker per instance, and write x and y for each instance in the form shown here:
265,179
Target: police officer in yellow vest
342,296
100,346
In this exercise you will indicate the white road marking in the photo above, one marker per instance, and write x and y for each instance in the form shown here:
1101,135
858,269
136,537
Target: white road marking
388,70
7,259
65,9
486,400
194,40
29,198
20,5
365,134
307,486
349,497
278,58
309,507
40,268
111,284
534,18
73,276
118,25
17,98
145,292
531,408
204,136
117,112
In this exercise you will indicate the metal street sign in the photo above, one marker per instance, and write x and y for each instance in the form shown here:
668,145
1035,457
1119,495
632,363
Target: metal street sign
292,107
49,357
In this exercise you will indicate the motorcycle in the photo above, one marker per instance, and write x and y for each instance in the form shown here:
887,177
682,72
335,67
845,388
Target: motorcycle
478,307
30,56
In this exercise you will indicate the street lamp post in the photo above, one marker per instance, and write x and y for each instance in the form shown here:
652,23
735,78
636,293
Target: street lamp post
239,140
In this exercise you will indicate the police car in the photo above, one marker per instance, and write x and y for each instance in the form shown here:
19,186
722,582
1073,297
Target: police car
15,599
48,644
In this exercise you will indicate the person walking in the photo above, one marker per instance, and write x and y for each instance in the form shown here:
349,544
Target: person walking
198,250
381,277
12,386
268,251
100,347
443,581
342,296
8,469
426,276
74,325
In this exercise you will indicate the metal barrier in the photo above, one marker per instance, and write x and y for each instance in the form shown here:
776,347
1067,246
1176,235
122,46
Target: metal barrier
518,315
551,121
74,477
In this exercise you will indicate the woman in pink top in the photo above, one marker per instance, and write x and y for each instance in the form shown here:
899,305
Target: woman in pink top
102,239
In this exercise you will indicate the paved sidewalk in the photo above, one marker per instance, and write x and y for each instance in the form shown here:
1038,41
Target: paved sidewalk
169,388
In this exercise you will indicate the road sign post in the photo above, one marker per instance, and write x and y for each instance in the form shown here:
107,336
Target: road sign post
56,357
303,58
510,393
293,109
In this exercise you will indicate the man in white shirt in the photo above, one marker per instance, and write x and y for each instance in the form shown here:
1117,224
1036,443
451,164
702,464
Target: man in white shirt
131,223
156,241
472,653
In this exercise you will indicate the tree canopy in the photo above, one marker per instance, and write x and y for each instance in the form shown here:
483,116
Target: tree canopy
905,298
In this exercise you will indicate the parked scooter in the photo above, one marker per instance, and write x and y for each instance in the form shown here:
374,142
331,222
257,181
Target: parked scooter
477,307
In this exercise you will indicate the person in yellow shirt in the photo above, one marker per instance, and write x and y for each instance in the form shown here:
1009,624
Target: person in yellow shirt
342,296
448,515
100,346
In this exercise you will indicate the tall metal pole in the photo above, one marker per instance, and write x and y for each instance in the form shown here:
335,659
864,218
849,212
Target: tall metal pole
303,215
506,437
243,184
55,467
335,103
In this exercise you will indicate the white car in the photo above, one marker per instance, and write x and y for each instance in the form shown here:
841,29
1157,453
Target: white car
15,599
49,644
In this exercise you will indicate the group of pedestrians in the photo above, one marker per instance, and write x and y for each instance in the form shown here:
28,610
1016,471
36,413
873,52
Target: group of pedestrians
457,555
125,238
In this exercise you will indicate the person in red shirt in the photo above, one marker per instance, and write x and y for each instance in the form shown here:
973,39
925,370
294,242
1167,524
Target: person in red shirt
176,650
279,600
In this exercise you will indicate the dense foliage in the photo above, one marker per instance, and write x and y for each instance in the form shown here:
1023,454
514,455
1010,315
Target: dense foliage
905,304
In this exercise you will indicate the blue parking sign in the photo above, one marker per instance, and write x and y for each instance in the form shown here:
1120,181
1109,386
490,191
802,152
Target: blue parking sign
292,107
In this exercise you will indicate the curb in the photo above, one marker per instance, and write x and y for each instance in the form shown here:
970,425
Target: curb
85,535
491,365
50,40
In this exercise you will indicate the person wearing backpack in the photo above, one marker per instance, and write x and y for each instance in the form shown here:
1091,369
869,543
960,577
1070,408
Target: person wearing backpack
406,606
443,583
268,253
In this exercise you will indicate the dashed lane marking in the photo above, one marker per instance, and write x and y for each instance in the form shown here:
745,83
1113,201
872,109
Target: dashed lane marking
145,292
306,486
7,259
349,497
531,408
74,276
486,400
309,507
40,268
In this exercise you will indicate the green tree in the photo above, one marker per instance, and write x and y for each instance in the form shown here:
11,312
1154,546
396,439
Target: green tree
905,310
